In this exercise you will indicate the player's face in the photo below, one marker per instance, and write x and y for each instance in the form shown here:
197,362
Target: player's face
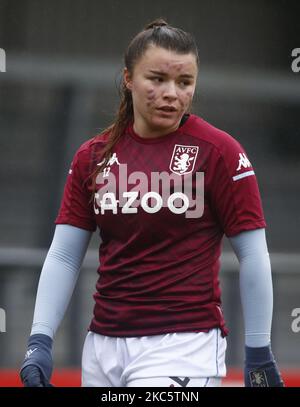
162,85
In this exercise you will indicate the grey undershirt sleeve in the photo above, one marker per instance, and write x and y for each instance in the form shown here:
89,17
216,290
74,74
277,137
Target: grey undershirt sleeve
58,277
256,288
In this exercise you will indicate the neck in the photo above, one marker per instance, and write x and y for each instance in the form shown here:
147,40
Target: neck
148,132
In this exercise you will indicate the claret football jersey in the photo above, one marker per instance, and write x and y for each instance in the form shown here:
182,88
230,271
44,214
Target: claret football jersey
162,206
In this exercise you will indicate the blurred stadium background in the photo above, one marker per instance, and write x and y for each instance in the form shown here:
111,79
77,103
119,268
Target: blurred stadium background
64,59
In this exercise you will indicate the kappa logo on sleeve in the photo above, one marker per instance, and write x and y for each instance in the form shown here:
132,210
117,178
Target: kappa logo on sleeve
243,162
29,353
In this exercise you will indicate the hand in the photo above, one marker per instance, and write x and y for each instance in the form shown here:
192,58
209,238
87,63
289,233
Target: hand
37,367
261,369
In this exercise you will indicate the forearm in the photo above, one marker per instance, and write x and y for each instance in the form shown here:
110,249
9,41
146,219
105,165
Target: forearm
260,369
255,286
58,277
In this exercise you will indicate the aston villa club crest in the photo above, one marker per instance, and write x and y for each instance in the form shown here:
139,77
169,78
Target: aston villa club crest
183,159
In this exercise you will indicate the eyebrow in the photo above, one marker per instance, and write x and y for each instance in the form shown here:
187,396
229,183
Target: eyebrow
184,75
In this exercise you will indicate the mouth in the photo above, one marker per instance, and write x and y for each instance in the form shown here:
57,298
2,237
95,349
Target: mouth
167,109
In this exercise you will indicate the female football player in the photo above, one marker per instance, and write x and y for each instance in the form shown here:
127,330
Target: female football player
163,186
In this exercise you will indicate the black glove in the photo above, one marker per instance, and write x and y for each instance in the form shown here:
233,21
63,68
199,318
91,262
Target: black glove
261,369
37,367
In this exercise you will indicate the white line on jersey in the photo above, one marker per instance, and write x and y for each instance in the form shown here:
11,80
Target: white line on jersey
243,175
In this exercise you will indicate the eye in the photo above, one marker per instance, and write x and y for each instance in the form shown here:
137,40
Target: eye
184,83
157,79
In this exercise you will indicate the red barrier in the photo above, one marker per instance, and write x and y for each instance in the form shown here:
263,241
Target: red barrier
71,378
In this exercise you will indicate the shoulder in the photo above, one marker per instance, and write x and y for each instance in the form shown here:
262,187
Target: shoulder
96,142
221,142
91,148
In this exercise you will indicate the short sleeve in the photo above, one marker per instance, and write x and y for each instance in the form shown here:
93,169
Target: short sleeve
235,196
76,208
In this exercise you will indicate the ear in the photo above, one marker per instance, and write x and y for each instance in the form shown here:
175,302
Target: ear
127,79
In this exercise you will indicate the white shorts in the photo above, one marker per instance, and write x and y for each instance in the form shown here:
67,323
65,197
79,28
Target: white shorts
168,360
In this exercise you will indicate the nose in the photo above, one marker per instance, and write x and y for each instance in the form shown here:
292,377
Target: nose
170,91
